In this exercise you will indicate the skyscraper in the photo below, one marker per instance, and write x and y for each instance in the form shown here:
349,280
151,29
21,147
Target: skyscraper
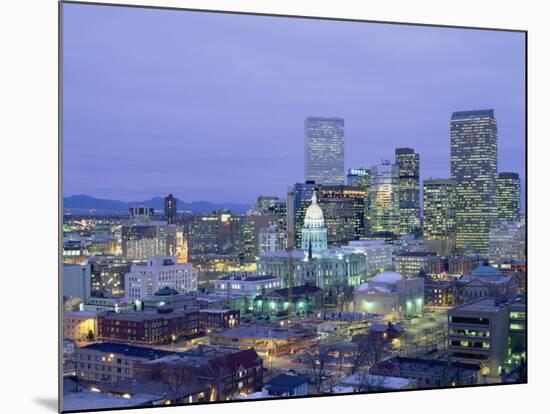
439,214
508,196
384,200
361,177
170,208
344,213
324,150
408,163
474,172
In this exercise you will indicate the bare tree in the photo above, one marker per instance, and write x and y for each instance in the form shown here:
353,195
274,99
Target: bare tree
367,354
175,376
367,382
318,363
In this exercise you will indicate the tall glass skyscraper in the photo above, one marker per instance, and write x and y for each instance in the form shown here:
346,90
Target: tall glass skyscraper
408,163
360,177
170,209
324,150
384,198
508,196
439,214
474,172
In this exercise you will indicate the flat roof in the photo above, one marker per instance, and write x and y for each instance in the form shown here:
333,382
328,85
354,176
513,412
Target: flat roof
128,350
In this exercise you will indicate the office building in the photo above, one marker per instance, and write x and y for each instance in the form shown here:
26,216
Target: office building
274,206
270,239
378,254
408,163
141,239
324,150
474,172
141,213
80,325
77,281
478,333
413,263
251,285
344,213
170,209
158,272
361,177
508,196
439,215
384,199
506,242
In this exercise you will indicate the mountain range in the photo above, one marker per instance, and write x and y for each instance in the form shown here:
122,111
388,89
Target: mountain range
85,203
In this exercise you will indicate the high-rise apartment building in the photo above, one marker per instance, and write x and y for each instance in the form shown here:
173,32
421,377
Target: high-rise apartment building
408,163
384,198
508,196
474,172
324,150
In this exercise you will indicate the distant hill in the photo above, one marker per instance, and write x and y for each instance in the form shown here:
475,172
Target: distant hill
86,202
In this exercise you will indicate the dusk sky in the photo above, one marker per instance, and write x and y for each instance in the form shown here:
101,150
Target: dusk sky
212,106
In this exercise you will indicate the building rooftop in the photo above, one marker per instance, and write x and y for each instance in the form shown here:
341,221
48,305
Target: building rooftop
378,381
417,254
387,277
283,382
128,350
248,278
437,367
481,305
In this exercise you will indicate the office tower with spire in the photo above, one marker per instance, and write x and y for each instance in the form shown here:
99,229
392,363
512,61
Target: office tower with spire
324,150
474,173
408,163
508,196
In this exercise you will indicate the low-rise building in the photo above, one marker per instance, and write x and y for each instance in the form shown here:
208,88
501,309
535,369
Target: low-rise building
412,263
148,327
478,333
377,253
225,371
80,325
266,339
111,362
284,385
364,382
484,282
389,293
251,285
429,373
304,299
213,319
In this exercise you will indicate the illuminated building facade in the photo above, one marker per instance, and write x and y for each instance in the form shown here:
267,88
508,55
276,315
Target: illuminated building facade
474,172
389,293
298,200
478,333
439,216
508,196
344,213
408,163
324,150
80,326
412,263
506,241
378,254
314,232
141,239
361,177
159,272
270,239
384,198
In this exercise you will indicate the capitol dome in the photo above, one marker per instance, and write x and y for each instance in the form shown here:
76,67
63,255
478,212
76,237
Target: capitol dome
314,214
314,232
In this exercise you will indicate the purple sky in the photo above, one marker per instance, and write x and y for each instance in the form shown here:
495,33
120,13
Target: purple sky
212,106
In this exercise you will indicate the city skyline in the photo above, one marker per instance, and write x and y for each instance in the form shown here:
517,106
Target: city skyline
272,131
